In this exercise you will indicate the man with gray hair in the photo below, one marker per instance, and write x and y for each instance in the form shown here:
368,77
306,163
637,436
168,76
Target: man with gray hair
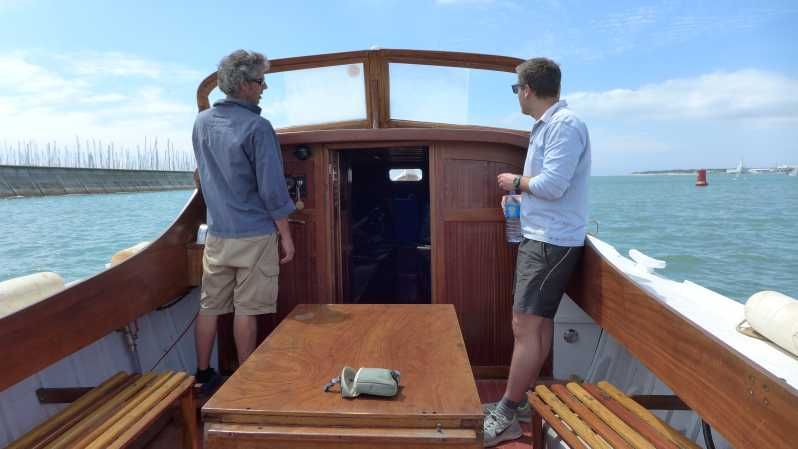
241,176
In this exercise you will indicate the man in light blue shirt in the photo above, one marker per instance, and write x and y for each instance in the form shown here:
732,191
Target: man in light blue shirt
554,209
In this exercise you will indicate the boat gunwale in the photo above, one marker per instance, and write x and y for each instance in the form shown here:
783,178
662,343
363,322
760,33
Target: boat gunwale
86,311
723,386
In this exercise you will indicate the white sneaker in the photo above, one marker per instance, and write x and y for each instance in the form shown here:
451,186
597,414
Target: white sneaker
523,413
497,428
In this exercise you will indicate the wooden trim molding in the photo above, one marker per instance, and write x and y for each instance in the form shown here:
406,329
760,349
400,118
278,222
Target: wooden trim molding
749,406
60,325
400,135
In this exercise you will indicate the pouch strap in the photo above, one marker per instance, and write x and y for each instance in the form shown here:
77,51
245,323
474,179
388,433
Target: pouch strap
332,383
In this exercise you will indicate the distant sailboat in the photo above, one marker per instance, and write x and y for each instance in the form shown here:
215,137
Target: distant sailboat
739,170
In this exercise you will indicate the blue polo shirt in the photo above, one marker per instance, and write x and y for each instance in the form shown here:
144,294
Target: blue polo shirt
241,170
555,210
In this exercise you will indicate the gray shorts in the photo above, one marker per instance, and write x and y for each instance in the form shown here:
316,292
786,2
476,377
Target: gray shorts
542,271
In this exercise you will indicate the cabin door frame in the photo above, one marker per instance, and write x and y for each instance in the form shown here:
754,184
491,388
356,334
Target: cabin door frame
339,211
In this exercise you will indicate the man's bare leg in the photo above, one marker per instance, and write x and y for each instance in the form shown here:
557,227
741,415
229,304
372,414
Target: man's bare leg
532,345
205,332
245,331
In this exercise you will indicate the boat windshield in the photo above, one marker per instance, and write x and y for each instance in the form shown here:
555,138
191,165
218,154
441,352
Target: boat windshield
387,89
310,96
456,95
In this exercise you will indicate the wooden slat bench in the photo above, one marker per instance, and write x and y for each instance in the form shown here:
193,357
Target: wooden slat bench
116,412
599,416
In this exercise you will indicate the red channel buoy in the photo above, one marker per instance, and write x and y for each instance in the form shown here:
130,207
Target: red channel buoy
701,178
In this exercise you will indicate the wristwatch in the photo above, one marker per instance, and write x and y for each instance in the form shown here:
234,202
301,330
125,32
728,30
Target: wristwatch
517,182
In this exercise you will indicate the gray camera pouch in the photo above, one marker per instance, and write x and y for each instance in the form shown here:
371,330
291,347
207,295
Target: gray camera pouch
370,381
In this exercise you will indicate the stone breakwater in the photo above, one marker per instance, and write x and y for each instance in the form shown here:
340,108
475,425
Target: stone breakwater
40,181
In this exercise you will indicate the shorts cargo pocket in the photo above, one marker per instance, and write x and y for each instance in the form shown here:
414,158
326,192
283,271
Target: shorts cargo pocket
268,268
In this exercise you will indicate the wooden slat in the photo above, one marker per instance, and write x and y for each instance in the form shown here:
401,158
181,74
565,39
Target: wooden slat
179,385
145,404
725,388
647,416
223,435
89,310
624,430
651,434
574,422
68,415
558,426
343,124
188,411
87,439
595,422
100,414
61,395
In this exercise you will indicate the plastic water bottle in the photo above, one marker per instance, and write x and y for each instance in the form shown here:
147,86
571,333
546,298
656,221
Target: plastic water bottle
512,218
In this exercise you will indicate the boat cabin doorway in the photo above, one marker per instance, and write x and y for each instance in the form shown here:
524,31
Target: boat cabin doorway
382,222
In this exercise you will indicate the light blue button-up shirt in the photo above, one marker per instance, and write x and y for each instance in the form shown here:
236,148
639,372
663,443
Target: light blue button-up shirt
241,170
558,160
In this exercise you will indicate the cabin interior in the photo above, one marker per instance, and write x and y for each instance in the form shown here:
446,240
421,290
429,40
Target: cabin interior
385,204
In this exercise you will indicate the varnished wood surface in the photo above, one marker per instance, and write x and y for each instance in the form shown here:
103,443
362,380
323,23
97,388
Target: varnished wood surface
400,135
221,435
73,318
282,382
589,411
749,406
472,264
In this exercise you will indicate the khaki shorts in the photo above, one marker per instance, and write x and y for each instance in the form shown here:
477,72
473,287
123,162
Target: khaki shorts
240,275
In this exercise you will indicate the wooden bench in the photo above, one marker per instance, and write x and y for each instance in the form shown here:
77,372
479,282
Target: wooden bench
599,416
116,413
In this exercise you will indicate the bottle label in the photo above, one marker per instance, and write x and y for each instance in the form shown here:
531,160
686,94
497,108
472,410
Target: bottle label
512,211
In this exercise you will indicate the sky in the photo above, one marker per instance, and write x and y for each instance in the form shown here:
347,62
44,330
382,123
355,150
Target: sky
660,85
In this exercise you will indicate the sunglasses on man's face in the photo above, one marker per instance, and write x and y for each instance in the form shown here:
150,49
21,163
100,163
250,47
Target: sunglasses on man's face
516,87
261,81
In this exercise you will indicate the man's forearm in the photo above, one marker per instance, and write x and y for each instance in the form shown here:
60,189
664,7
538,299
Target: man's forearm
283,228
523,185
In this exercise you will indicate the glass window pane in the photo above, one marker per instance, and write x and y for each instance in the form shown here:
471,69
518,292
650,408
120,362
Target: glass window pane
405,174
455,95
313,96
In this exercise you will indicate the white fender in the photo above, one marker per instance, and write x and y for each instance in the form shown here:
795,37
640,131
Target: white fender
21,292
775,316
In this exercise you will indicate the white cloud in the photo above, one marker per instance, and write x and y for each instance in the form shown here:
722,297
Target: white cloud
110,101
112,64
764,97
120,64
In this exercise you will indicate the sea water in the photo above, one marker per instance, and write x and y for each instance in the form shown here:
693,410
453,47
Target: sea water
737,236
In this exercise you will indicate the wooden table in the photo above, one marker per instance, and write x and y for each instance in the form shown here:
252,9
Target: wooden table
276,397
